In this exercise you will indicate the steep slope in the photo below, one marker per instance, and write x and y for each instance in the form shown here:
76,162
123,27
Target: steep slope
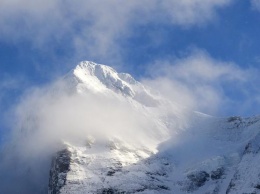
95,158
179,151
97,78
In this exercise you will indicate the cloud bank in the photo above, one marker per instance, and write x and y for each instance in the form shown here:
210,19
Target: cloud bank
95,28
203,83
255,4
48,116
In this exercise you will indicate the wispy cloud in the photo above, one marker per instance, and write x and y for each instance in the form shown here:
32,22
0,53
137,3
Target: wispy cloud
9,84
96,27
47,116
203,83
255,4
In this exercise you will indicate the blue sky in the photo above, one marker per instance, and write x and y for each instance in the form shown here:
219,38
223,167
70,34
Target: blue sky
216,43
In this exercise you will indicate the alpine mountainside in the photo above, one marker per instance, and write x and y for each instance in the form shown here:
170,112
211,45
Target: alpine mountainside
178,151
99,131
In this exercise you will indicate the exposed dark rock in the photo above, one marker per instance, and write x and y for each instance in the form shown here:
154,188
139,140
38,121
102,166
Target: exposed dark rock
242,122
141,190
253,146
198,179
217,174
195,180
117,167
248,148
163,187
230,187
111,172
234,118
233,183
156,173
257,186
110,191
59,169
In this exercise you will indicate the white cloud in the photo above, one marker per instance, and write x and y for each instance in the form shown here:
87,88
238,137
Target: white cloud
202,83
8,85
255,4
95,27
189,12
46,116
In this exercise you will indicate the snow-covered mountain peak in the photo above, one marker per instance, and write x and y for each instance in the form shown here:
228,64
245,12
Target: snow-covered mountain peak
97,78
95,69
100,78
106,133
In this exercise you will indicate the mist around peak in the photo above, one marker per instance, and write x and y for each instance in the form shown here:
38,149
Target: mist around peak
47,117
95,101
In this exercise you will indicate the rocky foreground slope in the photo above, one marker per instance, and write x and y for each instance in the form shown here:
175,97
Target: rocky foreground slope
180,151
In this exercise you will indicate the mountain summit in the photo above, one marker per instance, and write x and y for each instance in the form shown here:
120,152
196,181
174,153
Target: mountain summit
99,131
189,152
97,78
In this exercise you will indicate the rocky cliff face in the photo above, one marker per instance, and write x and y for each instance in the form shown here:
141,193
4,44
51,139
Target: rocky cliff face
59,168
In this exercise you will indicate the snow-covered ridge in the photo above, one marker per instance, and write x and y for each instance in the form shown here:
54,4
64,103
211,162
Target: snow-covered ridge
208,160
98,78
203,154
108,133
